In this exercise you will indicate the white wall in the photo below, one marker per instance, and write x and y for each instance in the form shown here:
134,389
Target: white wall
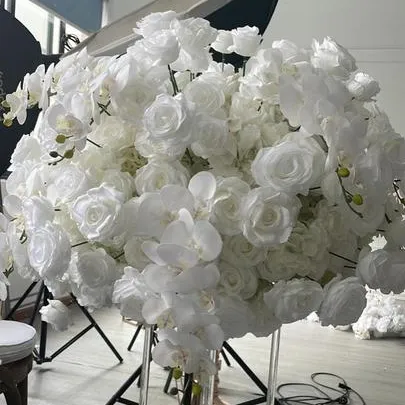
373,31
116,9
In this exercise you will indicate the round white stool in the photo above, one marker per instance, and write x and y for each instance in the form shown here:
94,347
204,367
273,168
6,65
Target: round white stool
17,341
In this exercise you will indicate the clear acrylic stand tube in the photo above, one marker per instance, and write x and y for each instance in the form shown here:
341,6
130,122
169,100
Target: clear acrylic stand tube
146,359
207,395
273,368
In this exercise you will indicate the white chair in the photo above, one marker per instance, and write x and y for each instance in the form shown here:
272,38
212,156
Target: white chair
17,342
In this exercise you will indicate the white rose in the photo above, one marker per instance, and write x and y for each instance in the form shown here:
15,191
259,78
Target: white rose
226,205
168,120
56,314
234,314
395,233
194,34
37,211
49,251
212,137
130,293
121,182
292,167
67,182
384,270
282,264
134,255
363,87
158,173
264,322
344,302
27,149
234,280
223,42
294,300
4,283
155,22
268,216
96,268
193,62
115,132
333,58
246,40
96,212
162,48
92,275
238,251
206,95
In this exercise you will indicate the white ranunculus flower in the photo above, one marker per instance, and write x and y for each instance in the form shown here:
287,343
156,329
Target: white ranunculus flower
154,22
168,120
237,281
383,270
223,42
268,216
333,58
363,87
212,137
56,314
158,173
205,94
246,41
162,48
49,251
344,302
225,206
290,166
96,212
294,300
37,211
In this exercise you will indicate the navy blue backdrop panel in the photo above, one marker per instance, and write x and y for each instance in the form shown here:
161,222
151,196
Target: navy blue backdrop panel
85,14
239,13
20,53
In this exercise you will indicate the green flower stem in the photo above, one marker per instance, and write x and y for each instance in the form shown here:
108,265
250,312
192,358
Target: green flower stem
359,214
173,80
343,258
94,143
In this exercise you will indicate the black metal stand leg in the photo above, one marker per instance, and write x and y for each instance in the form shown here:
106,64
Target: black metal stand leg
168,382
21,300
37,304
245,368
98,329
188,387
124,387
138,329
223,354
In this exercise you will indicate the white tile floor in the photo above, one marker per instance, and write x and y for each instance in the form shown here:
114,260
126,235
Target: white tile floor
88,373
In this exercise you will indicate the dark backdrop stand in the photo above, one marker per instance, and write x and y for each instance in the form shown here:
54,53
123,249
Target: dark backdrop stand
43,296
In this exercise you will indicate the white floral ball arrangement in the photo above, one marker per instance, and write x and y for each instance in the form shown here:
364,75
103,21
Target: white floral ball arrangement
207,201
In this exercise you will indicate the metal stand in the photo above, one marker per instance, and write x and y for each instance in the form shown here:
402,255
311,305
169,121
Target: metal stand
43,295
273,367
137,374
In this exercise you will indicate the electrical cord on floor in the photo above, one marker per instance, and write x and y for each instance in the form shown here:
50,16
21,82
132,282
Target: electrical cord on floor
344,394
